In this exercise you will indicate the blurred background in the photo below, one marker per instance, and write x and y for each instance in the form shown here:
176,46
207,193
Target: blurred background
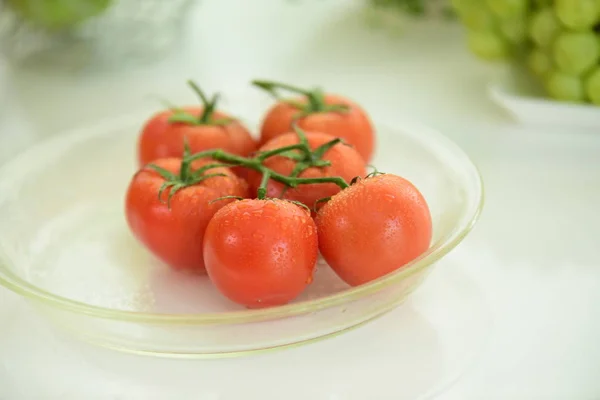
80,52
66,64
80,61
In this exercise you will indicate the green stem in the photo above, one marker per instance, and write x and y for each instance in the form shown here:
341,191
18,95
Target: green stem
185,165
271,153
298,169
208,110
199,92
206,154
232,159
293,182
308,155
185,178
324,148
272,87
201,171
300,133
209,107
255,164
262,189
315,97
308,159
185,169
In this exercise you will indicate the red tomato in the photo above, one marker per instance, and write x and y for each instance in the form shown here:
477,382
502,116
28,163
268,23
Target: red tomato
175,235
353,125
345,162
261,253
163,139
373,228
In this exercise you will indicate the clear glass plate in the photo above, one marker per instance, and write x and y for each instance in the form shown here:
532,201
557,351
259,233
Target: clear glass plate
68,249
432,340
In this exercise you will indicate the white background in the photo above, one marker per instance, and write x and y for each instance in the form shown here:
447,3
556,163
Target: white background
534,257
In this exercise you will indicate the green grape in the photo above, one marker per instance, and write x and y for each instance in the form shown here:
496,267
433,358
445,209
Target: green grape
539,63
456,4
465,9
543,27
58,14
488,45
463,5
576,52
565,87
514,29
578,14
478,18
543,3
592,86
506,9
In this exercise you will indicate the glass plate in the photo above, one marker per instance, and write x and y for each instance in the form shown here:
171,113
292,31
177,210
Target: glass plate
432,340
68,249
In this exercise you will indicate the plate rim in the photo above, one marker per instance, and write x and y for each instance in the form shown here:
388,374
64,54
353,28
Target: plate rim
404,124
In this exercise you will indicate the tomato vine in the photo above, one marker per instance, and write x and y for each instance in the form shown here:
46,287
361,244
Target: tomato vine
304,156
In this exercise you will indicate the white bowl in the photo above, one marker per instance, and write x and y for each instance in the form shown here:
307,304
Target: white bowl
517,94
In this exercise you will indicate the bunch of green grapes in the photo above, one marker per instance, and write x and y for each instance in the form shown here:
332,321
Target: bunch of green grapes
557,40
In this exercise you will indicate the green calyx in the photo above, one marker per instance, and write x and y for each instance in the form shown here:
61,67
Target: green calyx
186,176
207,116
301,153
315,98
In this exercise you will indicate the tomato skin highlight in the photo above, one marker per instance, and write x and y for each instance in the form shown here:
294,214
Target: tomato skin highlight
354,125
345,162
373,228
261,253
162,139
176,235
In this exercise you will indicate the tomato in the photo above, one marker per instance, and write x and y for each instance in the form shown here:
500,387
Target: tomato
352,125
162,139
261,253
175,234
374,227
345,162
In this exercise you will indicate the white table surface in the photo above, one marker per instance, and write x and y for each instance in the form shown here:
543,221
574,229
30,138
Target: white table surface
534,258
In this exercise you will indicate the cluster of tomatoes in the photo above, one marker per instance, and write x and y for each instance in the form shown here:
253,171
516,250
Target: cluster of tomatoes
254,215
